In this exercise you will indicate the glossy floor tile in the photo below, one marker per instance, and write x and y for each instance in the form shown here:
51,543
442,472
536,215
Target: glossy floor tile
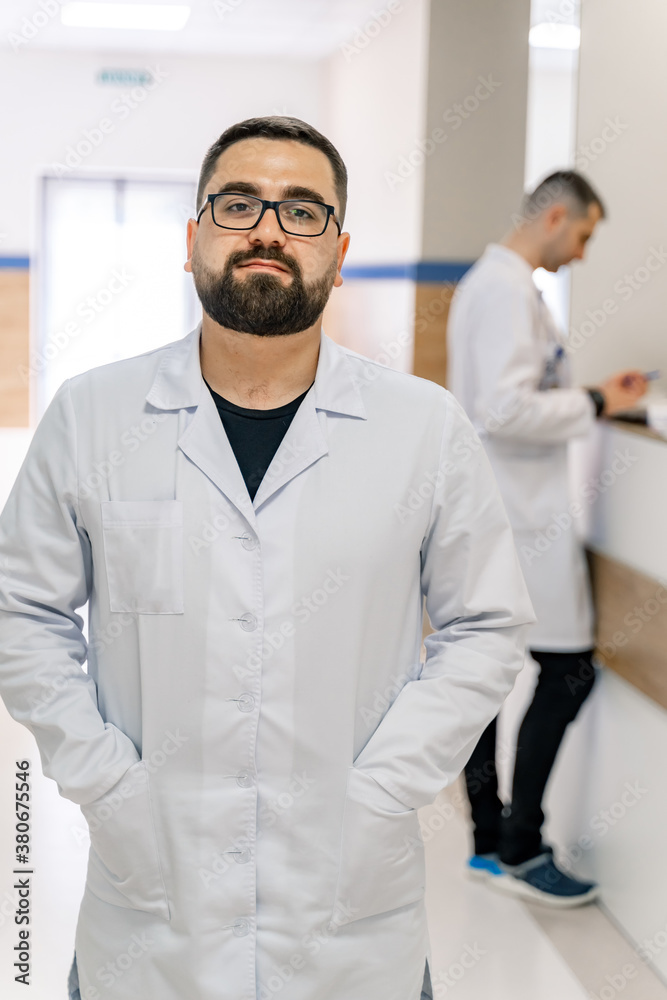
487,946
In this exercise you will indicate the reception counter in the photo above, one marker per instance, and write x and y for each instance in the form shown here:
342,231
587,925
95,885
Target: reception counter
607,799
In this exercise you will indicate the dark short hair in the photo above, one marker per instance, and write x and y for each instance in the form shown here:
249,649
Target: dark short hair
563,186
276,127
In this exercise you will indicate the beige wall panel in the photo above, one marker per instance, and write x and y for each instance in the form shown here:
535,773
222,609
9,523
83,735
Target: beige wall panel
14,347
431,311
632,625
374,318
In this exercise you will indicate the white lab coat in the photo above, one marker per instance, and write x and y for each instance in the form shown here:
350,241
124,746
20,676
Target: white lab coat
254,732
508,367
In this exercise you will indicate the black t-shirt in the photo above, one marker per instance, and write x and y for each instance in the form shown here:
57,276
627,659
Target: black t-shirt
255,435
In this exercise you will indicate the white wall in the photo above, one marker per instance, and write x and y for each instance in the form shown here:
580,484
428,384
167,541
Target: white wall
376,92
622,146
375,115
623,80
477,94
55,99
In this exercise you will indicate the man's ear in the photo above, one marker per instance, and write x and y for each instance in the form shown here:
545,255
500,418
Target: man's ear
193,226
554,216
341,251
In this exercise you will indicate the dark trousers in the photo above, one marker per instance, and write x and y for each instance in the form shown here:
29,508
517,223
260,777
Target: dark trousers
565,681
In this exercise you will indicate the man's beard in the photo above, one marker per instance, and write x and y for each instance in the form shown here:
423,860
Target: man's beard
261,303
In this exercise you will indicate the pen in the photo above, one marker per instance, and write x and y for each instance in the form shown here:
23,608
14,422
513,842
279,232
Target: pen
649,376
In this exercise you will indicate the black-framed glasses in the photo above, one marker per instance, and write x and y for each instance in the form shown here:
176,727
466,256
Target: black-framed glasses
296,217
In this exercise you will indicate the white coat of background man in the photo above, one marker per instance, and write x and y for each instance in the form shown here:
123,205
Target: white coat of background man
508,367
252,746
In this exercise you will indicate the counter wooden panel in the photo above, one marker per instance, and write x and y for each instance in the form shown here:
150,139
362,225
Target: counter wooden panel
432,302
631,624
14,348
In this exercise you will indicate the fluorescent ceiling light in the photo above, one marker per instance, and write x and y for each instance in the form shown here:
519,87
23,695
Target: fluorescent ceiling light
146,17
551,35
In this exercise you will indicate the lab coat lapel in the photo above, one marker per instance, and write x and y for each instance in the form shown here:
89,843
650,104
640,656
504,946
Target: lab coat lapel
205,443
179,384
333,392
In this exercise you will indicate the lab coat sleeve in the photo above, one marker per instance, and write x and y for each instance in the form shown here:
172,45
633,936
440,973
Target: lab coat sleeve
508,369
478,604
45,575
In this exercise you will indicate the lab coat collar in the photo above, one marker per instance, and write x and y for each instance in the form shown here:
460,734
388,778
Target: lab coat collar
501,253
179,382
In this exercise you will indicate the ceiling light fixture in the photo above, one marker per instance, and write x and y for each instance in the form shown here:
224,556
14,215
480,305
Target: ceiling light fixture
551,35
141,16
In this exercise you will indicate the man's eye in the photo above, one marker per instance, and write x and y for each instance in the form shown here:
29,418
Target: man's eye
238,206
299,212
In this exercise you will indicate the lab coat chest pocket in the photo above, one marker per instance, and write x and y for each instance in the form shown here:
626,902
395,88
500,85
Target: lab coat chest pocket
382,853
143,552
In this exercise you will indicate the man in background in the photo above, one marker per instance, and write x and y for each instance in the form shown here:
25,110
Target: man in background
508,367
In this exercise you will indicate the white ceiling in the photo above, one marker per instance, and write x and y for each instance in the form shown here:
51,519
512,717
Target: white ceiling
301,29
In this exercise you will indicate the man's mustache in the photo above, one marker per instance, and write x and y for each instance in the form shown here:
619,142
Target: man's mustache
264,253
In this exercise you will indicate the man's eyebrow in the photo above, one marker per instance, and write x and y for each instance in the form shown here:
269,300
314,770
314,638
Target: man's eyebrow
296,191
243,187
292,191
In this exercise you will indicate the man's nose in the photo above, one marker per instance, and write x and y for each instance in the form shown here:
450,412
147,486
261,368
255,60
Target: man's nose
268,229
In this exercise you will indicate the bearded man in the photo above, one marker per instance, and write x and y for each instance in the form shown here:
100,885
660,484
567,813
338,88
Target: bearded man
252,748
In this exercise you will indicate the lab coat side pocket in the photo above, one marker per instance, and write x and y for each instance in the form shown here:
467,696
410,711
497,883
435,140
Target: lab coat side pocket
382,853
143,552
124,865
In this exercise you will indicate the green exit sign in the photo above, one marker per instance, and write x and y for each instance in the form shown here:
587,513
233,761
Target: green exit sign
124,77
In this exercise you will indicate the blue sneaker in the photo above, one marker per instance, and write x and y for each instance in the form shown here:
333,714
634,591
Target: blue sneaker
484,866
540,880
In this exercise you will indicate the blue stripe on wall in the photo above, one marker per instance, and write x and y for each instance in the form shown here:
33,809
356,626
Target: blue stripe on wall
422,272
15,262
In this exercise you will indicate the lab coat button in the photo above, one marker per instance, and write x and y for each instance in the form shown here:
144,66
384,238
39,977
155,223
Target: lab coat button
248,622
243,779
242,857
245,703
241,927
248,542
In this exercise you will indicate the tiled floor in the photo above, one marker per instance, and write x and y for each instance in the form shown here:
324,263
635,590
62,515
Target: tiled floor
487,946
